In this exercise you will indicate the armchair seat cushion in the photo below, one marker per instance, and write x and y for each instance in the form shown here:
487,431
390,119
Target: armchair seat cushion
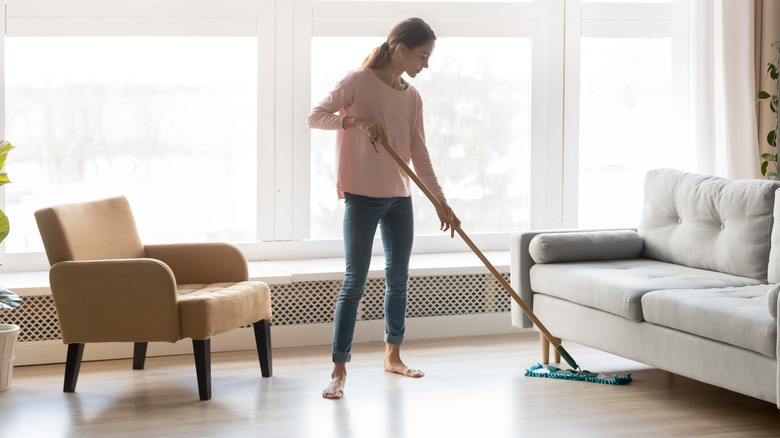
209,309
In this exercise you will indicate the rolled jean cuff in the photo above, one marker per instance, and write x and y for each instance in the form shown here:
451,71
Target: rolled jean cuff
395,340
342,357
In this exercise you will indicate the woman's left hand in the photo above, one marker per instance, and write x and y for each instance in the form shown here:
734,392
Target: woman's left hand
448,220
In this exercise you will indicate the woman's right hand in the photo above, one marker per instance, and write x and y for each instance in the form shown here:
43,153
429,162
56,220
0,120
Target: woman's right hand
375,132
448,219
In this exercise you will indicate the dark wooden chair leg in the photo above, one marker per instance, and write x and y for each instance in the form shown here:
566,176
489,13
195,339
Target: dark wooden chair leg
139,355
72,366
263,341
202,351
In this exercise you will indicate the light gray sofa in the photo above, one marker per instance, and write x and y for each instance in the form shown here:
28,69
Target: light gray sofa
692,290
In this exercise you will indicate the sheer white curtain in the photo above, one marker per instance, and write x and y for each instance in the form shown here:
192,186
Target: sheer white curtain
722,92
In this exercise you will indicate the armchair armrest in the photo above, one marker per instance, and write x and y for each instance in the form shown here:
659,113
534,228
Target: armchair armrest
521,262
118,300
202,262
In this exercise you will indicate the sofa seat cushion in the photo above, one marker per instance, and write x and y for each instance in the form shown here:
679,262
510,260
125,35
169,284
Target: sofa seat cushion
734,315
617,286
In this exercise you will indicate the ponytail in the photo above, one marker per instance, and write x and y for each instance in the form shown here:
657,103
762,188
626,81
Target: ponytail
412,32
379,57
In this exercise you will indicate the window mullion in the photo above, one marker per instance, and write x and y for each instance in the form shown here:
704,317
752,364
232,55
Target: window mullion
571,113
266,119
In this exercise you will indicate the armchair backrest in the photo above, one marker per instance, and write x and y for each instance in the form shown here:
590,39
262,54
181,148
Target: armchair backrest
95,230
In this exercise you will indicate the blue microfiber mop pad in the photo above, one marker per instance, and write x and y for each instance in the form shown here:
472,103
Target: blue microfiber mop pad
552,372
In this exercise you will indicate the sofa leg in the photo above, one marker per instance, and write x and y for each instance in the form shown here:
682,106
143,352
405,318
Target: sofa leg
263,341
545,348
202,352
72,366
139,355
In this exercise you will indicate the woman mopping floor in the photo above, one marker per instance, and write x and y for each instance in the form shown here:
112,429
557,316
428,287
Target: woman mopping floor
376,105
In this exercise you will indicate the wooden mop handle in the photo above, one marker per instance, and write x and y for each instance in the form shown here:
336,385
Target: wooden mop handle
465,237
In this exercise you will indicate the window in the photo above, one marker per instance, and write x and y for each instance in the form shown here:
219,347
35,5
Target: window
477,125
625,117
170,122
539,114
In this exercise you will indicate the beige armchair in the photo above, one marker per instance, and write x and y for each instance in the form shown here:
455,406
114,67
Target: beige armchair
109,287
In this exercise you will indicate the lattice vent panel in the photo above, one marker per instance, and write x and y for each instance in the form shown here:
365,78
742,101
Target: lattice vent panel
305,302
440,295
313,302
36,317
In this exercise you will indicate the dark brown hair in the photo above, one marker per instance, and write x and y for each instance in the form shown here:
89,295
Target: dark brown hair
412,32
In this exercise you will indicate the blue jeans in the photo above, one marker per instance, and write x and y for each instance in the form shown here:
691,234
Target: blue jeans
362,214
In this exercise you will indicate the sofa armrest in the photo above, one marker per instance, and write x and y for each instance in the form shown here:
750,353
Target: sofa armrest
202,262
119,300
520,267
772,299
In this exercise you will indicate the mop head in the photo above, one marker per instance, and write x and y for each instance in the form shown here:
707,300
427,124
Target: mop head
552,372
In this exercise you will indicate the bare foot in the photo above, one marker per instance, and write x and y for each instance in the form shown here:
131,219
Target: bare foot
335,390
399,367
394,364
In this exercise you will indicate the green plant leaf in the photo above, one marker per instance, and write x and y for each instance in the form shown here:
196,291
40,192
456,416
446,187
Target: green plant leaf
771,138
764,95
8,299
771,175
766,156
5,147
5,226
763,167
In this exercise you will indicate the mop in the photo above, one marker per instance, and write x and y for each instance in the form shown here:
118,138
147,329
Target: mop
576,373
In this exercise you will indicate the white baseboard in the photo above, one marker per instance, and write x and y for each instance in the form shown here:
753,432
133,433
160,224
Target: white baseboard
48,352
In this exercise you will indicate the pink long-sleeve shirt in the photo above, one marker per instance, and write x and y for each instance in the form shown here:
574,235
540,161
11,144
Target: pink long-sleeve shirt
361,170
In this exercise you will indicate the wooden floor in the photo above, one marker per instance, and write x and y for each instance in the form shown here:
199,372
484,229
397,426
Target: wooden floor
474,387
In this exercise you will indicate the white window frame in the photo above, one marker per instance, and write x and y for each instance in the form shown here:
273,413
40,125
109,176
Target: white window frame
284,29
613,20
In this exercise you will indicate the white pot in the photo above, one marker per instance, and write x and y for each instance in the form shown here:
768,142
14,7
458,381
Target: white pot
8,335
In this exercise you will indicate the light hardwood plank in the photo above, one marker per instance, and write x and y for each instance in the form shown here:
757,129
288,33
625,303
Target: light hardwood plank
474,386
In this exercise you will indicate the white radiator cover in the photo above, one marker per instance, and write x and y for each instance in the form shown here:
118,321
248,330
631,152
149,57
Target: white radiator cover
303,313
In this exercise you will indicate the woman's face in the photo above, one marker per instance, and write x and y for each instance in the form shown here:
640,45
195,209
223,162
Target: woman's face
415,60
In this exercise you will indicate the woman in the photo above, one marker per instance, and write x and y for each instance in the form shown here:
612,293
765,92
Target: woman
375,104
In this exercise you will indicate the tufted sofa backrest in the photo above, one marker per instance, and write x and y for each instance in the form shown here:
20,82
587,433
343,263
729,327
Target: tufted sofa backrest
709,222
